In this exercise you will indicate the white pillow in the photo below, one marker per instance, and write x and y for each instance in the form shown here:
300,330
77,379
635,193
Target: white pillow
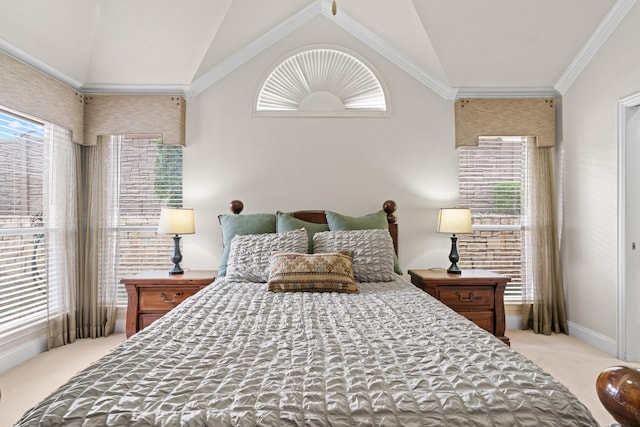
249,254
372,251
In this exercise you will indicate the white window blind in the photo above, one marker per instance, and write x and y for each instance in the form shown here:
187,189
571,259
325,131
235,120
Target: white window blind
23,259
150,177
491,181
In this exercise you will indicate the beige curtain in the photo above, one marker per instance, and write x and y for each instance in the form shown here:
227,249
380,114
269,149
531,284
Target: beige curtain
98,269
544,306
61,233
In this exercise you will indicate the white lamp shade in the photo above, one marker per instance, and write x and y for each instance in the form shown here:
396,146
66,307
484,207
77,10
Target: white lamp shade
176,221
454,220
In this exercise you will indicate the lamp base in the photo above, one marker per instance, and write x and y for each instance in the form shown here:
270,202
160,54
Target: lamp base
454,257
176,269
177,256
454,269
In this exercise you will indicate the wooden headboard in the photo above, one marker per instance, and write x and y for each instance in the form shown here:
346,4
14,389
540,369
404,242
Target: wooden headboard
318,217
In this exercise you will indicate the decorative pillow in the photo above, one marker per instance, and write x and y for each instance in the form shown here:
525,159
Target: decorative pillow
372,252
239,225
249,254
376,220
331,272
287,222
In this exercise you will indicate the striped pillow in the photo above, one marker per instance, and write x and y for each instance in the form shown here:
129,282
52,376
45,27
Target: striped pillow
372,251
249,254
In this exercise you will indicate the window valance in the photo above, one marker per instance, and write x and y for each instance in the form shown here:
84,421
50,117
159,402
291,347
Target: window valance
135,114
531,117
32,92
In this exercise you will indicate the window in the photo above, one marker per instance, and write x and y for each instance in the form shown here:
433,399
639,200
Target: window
492,179
320,82
33,240
150,177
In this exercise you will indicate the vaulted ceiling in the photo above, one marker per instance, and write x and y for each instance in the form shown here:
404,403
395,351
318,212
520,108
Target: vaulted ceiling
452,46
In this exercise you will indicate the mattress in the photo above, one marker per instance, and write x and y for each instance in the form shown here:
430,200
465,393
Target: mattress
236,354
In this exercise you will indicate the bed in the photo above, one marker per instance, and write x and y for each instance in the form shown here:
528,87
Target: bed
239,354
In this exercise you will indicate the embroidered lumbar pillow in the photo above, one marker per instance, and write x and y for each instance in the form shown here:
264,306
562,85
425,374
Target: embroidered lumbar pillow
328,272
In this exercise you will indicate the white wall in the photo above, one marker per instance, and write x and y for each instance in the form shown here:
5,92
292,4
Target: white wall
589,150
350,165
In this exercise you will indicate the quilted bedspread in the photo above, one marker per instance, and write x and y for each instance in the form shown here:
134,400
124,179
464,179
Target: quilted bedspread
237,355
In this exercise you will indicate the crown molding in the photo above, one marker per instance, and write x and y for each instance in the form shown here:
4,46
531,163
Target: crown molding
254,48
506,92
96,89
593,44
34,62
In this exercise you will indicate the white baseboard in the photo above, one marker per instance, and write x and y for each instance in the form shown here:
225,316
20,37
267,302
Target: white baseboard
513,322
594,339
513,315
120,320
22,352
24,346
586,335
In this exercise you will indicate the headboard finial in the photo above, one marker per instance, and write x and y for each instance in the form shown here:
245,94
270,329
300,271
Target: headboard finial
236,206
390,207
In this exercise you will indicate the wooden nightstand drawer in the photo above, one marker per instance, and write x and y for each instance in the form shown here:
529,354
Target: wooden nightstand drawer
476,294
466,297
147,319
163,299
152,294
484,319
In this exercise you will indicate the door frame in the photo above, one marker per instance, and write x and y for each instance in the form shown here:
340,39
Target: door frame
624,105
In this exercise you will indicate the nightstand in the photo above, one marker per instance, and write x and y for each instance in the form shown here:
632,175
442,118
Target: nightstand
476,294
152,294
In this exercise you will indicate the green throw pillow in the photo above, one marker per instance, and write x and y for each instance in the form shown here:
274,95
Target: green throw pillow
376,220
287,222
240,225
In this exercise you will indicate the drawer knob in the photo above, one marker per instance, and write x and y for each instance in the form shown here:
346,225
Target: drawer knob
468,298
173,298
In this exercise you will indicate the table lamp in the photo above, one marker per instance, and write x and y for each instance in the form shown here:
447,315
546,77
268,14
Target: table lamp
454,221
176,221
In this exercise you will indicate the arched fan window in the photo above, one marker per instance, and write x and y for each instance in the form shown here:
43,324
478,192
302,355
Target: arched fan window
322,82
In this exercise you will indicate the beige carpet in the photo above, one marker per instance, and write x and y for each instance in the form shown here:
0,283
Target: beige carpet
572,362
25,385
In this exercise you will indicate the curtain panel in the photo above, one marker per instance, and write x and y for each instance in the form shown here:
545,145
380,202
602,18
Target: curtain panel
82,195
98,268
61,222
544,305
